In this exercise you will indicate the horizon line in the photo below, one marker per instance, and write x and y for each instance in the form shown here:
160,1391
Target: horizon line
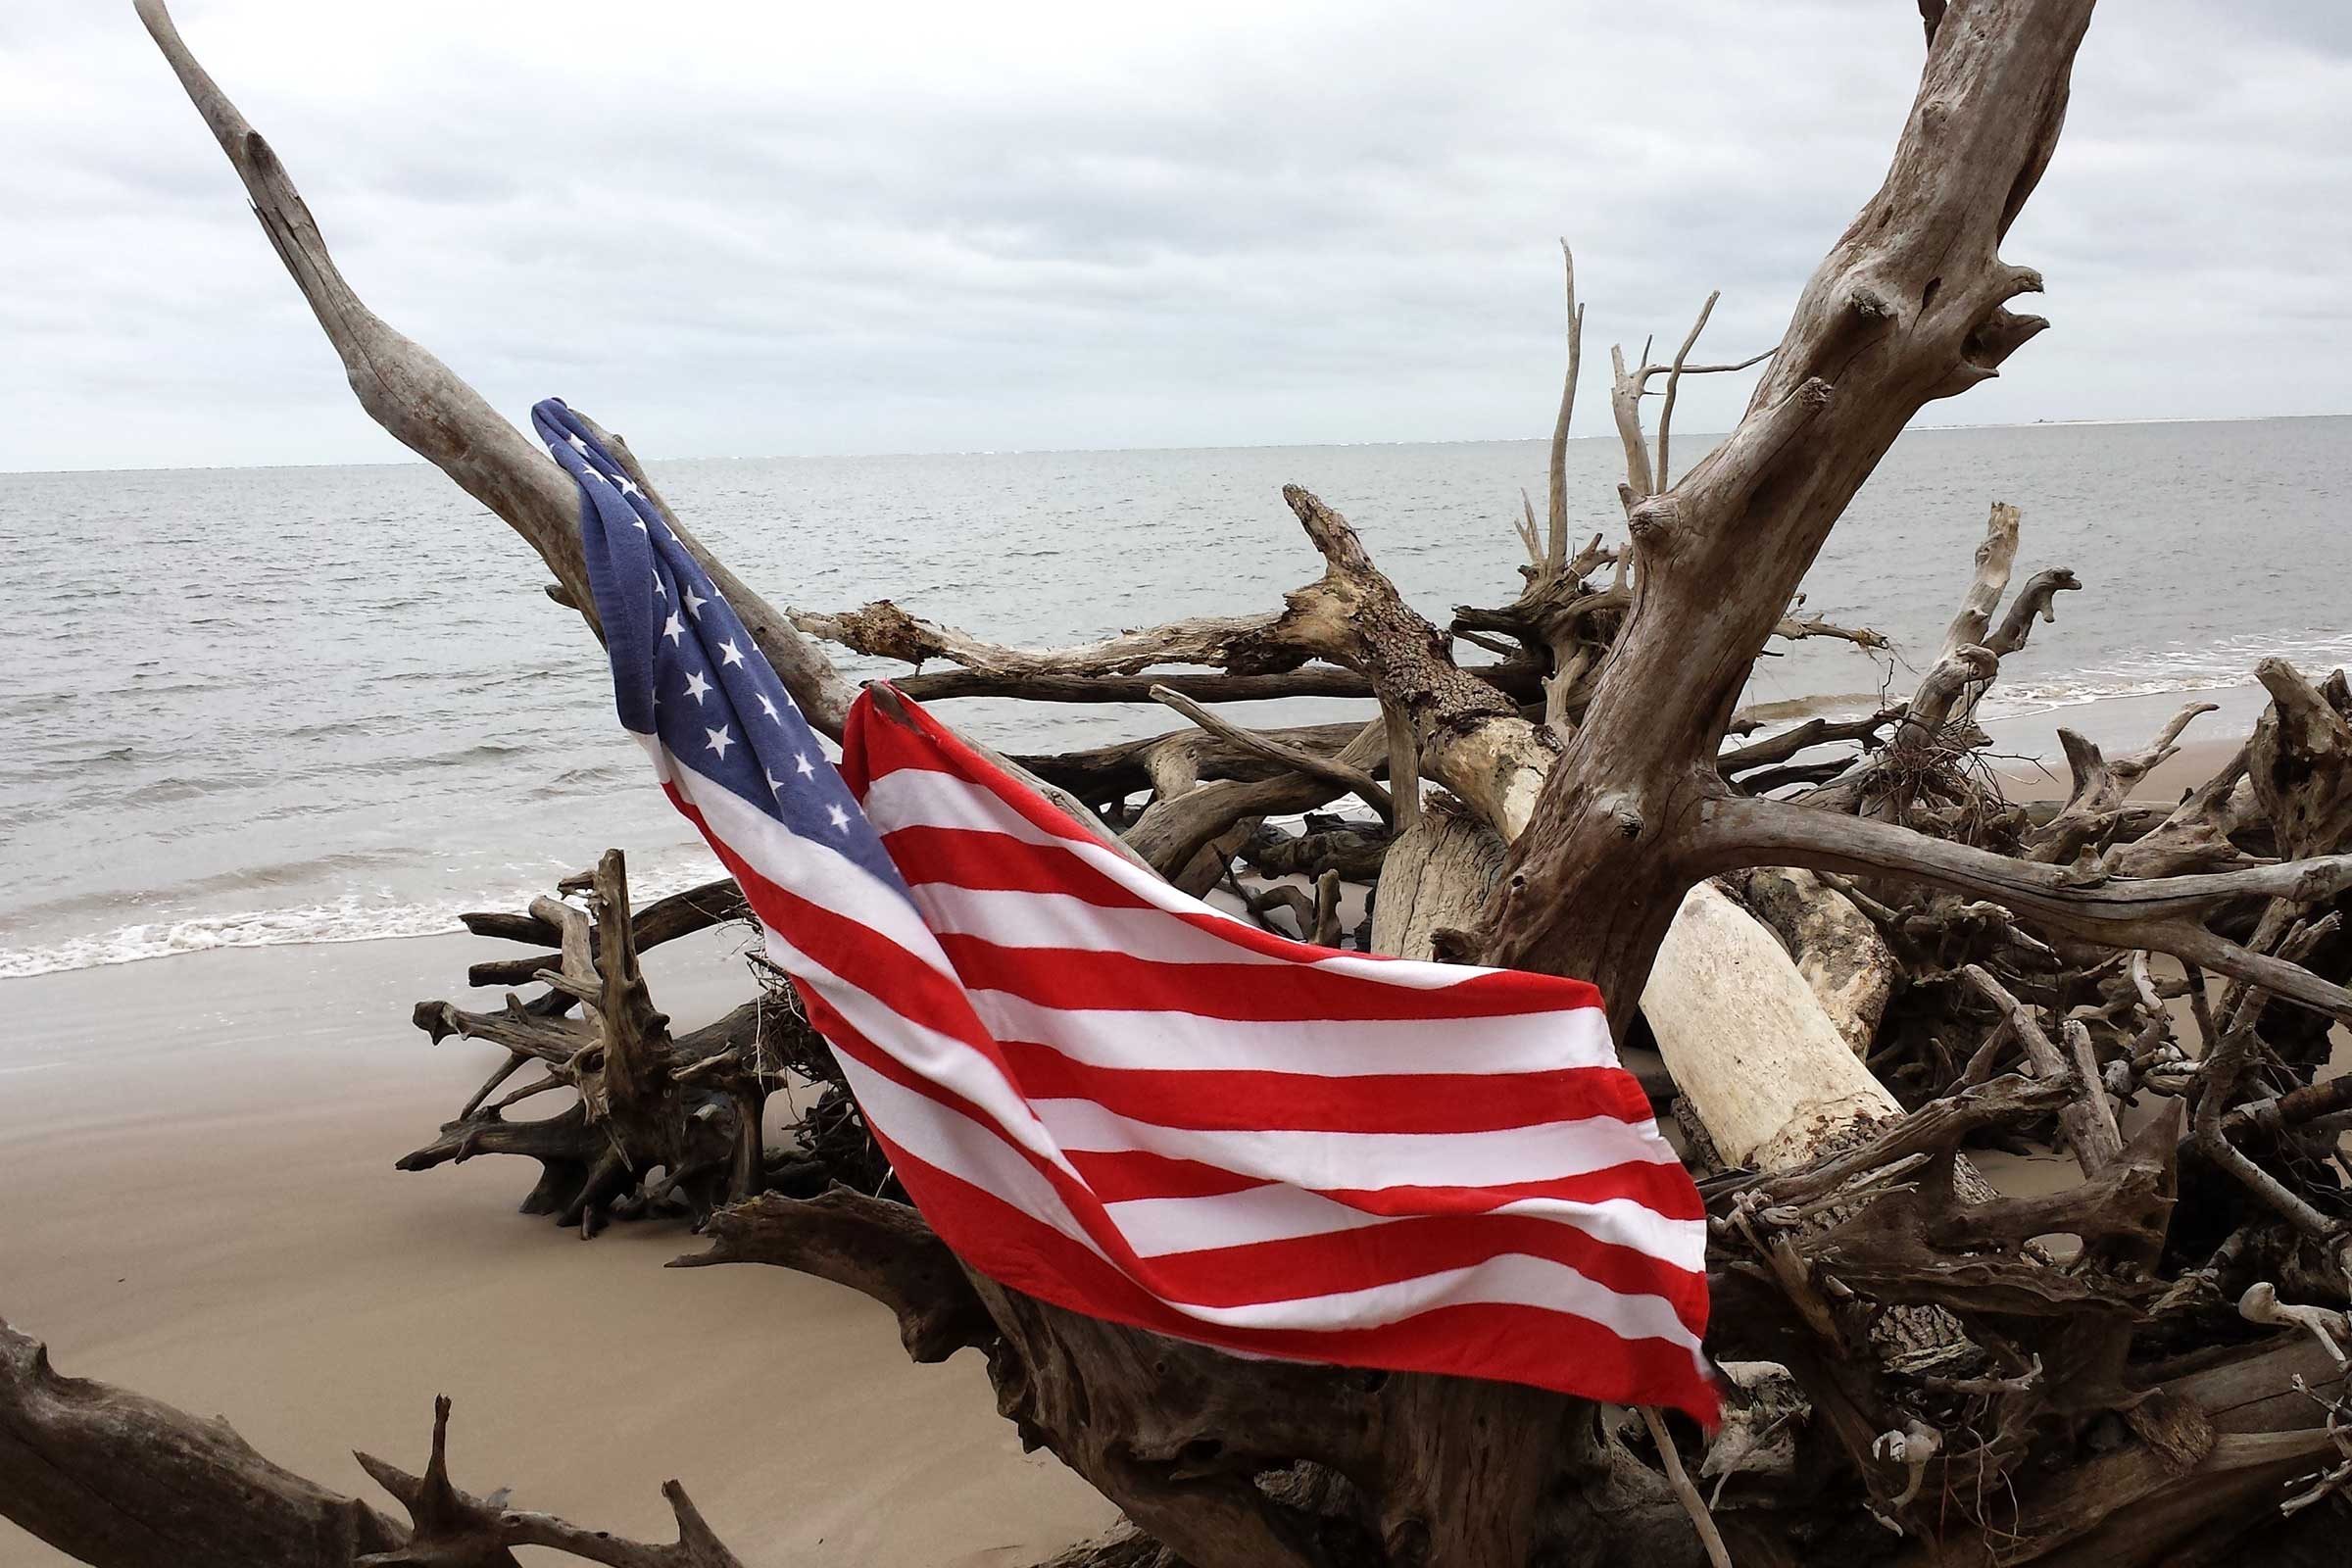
1229,446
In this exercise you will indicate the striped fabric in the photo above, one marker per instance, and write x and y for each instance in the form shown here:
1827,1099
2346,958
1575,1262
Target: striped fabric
1117,1098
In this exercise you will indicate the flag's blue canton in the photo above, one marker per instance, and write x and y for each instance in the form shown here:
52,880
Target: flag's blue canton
684,669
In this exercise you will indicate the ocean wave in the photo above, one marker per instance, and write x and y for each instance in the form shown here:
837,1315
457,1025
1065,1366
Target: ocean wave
349,918
2217,665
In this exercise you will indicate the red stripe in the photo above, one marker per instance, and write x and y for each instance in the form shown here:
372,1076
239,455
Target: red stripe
873,743
1236,1100
1118,1177
1079,977
1397,1250
1547,1350
1236,1276
1441,1228
1663,1190
981,858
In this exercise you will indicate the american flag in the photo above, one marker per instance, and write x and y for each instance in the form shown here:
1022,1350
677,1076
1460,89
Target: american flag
1120,1099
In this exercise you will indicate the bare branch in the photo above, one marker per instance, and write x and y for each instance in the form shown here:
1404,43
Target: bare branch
1994,557
1314,680
878,1248
430,410
2035,600
2157,912
1625,405
1240,644
1693,1505
1556,556
1329,769
1674,382
2090,1120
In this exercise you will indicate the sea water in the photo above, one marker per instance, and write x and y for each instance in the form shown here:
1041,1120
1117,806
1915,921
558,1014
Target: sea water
245,706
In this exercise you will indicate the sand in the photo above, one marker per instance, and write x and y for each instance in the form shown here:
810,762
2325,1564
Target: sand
197,1200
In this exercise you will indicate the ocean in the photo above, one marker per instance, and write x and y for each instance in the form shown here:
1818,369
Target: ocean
258,706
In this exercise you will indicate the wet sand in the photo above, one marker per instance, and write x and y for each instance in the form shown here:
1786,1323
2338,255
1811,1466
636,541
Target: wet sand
197,1200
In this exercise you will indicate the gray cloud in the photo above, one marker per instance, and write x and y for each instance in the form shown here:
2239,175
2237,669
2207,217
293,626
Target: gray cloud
754,229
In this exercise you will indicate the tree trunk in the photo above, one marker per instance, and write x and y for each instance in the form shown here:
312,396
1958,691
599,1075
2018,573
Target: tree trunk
1909,306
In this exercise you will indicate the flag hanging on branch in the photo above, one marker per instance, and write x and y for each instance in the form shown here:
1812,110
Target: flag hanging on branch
1115,1098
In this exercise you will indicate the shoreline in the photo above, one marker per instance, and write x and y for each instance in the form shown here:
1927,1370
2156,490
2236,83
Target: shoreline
2026,753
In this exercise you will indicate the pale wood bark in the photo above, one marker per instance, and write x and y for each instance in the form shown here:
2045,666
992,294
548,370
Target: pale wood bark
1843,960
1748,1042
1434,880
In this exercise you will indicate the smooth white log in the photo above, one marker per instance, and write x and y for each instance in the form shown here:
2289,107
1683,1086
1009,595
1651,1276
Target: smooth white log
1749,1043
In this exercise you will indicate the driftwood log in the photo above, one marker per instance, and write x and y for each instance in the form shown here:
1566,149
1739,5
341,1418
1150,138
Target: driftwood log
1862,961
108,1476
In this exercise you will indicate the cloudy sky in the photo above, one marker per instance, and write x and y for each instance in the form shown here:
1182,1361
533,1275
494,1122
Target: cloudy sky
746,230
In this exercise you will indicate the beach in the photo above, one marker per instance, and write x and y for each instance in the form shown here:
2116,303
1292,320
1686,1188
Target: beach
197,1154
210,947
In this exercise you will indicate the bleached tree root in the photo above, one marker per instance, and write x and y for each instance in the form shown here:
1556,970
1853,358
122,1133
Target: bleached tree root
687,1106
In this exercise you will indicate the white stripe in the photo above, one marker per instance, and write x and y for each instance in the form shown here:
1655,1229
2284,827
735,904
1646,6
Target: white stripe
965,1149
1321,1162
815,871
914,797
1013,918
934,1057
1157,1226
946,1138
1330,1048
1507,1278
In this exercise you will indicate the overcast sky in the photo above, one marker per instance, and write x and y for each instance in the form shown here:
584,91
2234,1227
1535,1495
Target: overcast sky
750,229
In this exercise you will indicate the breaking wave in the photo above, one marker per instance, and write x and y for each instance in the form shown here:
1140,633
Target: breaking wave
349,918
2216,666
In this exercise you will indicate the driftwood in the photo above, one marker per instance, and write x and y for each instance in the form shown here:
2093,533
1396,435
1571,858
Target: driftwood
110,1477
641,1101
2089,1389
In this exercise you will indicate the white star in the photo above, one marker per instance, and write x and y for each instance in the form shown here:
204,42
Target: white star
801,765
674,628
591,474
628,487
729,653
638,523
696,686
694,602
775,784
769,709
659,592
720,740
577,445
841,818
